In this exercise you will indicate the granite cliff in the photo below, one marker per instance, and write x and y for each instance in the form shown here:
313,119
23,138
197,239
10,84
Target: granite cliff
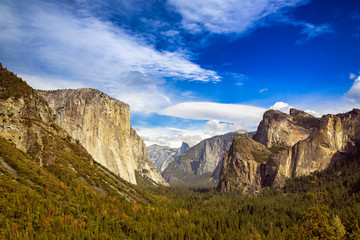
201,164
278,128
38,155
336,136
332,138
102,125
162,156
241,168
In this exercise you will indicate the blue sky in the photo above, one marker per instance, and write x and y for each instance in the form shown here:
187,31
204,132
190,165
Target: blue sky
190,69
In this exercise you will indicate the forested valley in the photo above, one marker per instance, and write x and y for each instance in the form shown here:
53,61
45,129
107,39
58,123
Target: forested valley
40,203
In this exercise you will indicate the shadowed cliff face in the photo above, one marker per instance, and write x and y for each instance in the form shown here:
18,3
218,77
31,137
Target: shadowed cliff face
278,128
102,125
242,166
333,137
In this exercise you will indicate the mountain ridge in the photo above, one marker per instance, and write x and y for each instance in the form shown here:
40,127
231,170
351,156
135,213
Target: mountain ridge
200,165
162,156
331,138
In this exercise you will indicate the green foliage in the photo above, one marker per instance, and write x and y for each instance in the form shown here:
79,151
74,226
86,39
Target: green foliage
56,202
12,86
72,197
277,148
308,122
261,156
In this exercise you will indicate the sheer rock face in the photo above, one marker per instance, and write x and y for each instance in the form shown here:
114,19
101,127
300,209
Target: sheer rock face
333,138
201,164
241,170
162,156
278,128
102,125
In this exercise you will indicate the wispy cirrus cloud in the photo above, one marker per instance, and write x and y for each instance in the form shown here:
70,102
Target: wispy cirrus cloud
232,16
51,40
311,31
352,76
238,17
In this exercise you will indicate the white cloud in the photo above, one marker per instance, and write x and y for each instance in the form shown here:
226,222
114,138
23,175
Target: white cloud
177,129
220,119
44,83
51,40
171,137
281,106
314,113
217,125
241,16
314,106
245,116
353,95
231,16
263,90
352,76
311,31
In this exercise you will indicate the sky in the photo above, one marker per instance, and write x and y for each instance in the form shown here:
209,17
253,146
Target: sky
190,69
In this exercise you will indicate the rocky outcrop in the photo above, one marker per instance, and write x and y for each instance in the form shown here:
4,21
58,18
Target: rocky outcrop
333,138
242,163
102,125
162,156
201,164
282,129
26,120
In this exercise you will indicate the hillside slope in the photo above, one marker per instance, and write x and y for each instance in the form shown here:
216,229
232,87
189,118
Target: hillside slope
48,182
